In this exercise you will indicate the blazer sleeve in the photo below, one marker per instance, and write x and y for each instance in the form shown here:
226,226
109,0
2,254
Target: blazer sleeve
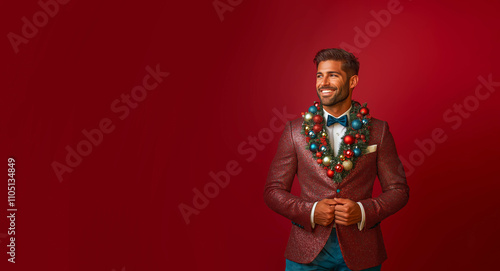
395,191
279,181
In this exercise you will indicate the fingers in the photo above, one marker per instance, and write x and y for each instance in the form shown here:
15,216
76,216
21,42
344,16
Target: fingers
328,222
338,220
330,201
341,215
344,220
338,210
341,200
330,206
325,222
341,208
324,215
323,207
341,220
343,223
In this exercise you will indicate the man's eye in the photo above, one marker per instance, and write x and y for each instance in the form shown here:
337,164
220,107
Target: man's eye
318,76
333,75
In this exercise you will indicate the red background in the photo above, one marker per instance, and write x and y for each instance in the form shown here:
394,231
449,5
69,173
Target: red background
119,209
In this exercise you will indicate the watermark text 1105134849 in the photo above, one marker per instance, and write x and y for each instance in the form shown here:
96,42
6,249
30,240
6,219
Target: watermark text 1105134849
11,209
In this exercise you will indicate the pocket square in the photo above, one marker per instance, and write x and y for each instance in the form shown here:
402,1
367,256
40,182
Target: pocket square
370,149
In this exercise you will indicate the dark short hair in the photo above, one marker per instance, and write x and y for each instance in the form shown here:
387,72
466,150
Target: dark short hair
350,63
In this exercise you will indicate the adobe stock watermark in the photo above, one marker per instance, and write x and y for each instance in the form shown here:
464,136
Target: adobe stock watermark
223,6
48,9
453,116
373,28
121,107
249,149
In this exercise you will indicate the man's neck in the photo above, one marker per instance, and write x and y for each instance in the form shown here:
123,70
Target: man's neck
338,109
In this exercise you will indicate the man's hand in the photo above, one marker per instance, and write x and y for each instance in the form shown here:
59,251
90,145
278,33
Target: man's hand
324,212
347,212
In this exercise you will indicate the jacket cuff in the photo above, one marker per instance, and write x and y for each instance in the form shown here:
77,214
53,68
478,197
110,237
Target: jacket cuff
312,215
361,224
304,221
371,219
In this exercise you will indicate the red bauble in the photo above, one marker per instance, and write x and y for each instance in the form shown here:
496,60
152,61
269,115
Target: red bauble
363,136
316,104
307,139
339,168
357,136
318,154
302,113
319,161
348,153
317,119
359,115
317,128
348,139
330,173
364,111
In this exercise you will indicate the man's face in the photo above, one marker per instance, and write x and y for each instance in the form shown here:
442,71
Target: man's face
332,85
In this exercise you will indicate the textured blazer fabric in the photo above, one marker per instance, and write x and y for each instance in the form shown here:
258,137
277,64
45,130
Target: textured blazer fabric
361,249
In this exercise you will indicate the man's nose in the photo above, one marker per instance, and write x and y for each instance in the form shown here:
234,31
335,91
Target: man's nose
325,82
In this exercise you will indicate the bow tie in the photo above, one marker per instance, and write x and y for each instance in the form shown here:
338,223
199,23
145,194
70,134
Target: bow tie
342,120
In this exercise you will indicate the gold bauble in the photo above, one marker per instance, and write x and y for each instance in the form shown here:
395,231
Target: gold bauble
323,134
307,128
327,160
347,164
308,116
341,157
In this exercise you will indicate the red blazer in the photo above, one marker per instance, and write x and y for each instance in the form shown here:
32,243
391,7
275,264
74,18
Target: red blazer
361,249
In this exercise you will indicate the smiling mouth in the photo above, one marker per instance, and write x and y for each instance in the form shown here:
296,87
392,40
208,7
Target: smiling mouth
326,91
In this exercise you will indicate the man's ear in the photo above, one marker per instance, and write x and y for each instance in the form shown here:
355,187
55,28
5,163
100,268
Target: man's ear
353,81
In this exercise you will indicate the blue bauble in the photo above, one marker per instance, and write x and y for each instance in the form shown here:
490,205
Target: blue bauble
357,152
365,121
313,147
323,148
312,134
356,124
313,109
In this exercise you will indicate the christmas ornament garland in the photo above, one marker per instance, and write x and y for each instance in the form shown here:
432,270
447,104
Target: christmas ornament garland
353,141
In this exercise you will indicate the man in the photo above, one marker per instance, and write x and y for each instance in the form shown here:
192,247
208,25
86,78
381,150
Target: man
336,150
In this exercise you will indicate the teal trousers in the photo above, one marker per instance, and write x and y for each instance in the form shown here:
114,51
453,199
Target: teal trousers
330,258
